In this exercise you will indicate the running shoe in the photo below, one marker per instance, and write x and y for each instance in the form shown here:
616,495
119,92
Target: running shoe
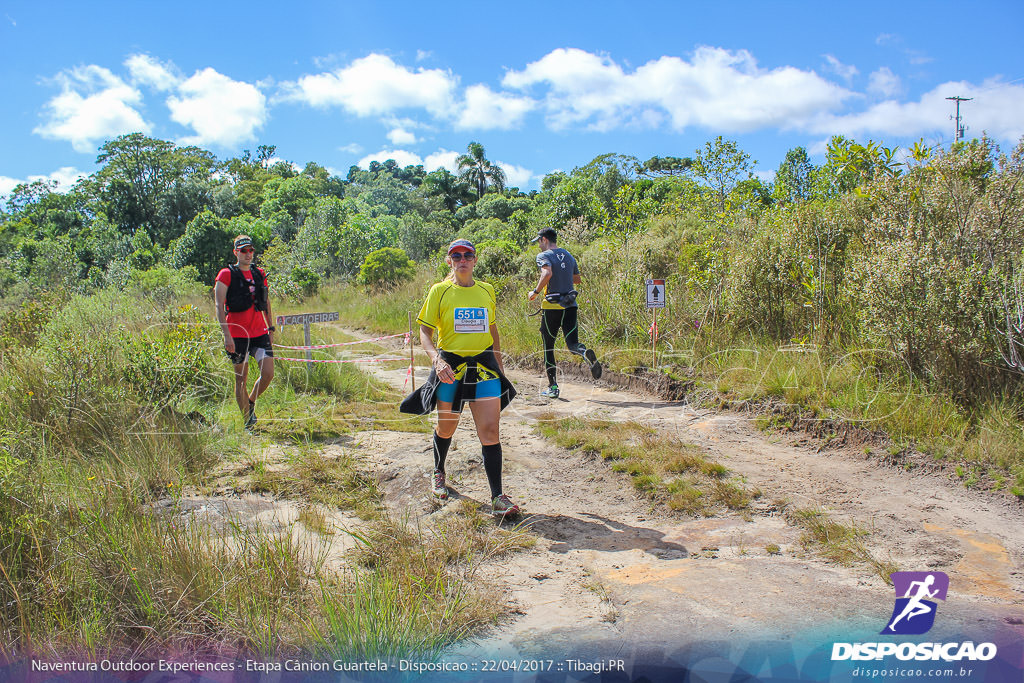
439,489
250,419
550,392
595,366
502,506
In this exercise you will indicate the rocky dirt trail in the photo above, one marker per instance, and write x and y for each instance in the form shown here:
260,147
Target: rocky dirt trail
611,573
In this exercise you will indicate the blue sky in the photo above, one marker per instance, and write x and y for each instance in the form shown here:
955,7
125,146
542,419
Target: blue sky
543,86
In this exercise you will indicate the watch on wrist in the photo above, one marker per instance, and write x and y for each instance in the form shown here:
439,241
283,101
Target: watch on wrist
272,329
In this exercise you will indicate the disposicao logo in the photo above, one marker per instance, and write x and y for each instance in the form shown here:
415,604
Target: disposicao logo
914,612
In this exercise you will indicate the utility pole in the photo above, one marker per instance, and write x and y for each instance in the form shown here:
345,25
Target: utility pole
958,133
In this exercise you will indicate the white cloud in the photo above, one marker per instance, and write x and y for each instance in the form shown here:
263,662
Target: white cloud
844,71
222,111
146,70
884,82
442,158
327,61
402,158
918,57
423,54
516,176
377,85
93,105
7,185
886,39
485,109
717,89
277,160
996,109
818,148
65,178
400,136
403,122
351,148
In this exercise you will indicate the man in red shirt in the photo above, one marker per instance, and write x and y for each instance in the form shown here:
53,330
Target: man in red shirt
243,310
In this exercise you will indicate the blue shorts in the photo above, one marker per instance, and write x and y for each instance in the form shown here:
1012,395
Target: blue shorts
489,388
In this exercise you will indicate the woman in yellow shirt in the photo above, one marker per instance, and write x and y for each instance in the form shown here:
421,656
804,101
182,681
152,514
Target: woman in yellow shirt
466,366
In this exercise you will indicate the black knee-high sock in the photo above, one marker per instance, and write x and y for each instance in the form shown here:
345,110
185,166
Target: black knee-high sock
492,466
440,451
552,374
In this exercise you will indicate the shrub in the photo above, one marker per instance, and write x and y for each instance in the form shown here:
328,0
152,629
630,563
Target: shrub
939,281
307,281
497,258
386,267
164,285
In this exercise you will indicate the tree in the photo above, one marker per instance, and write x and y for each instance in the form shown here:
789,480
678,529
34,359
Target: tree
552,180
452,191
849,165
666,166
720,165
607,174
794,178
206,245
143,179
574,200
475,169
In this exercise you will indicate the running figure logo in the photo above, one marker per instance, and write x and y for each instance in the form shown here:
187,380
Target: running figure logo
914,612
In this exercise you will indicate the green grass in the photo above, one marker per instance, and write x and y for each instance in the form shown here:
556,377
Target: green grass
413,592
112,406
661,468
813,384
844,544
312,477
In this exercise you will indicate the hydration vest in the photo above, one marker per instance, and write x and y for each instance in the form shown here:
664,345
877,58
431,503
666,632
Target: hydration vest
239,298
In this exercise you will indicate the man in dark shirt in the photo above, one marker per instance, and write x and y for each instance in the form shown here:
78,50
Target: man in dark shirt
558,276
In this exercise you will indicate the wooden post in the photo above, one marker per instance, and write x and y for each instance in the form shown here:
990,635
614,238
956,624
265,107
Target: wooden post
309,352
654,339
412,355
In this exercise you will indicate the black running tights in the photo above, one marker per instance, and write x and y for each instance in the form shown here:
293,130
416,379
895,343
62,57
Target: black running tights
553,320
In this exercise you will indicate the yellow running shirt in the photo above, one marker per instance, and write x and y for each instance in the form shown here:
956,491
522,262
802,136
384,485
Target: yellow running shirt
462,316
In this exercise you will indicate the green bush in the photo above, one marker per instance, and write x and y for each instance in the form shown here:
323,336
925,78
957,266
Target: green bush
386,267
941,273
497,258
22,325
164,285
307,281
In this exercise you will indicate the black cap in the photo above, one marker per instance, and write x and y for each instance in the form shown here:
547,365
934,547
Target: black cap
243,242
548,234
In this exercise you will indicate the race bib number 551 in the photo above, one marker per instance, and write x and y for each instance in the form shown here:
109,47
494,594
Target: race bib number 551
471,320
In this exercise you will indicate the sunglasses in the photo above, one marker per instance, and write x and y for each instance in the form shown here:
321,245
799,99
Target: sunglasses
459,255
247,250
